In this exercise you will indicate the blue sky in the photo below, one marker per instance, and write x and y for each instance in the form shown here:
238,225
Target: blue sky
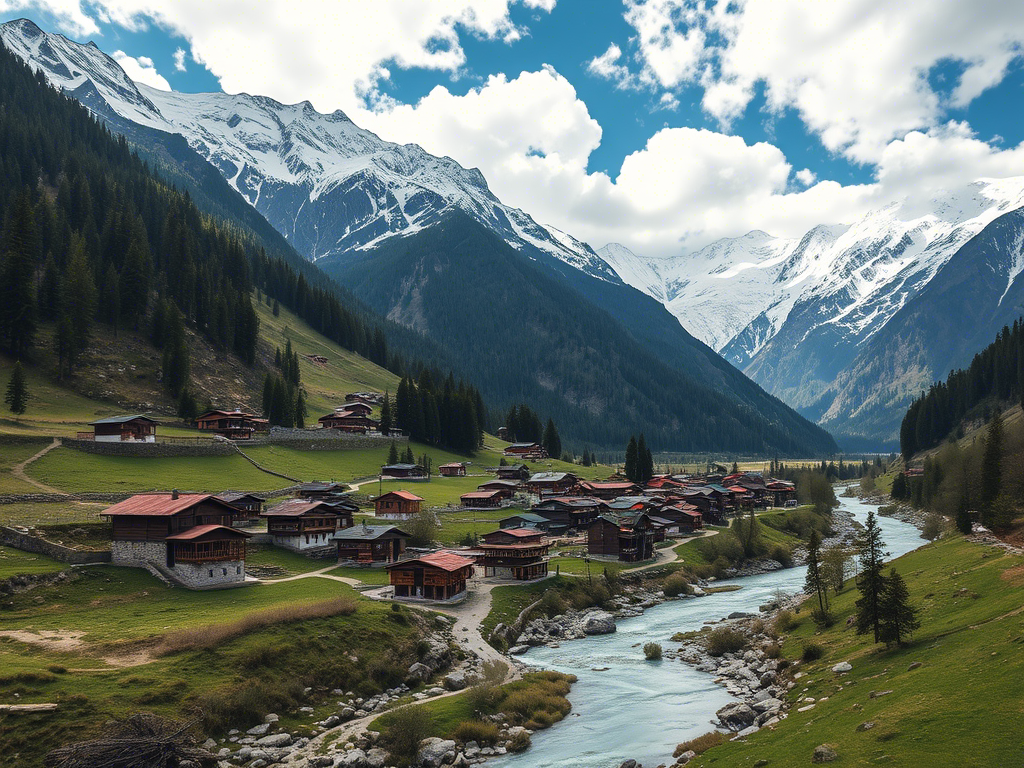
867,104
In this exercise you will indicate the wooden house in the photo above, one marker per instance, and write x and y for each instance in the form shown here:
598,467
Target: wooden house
534,451
502,433
437,576
780,491
302,525
397,505
248,505
234,425
526,520
187,538
628,536
484,499
366,398
124,429
404,471
349,419
370,544
552,483
686,517
344,508
514,553
510,486
608,490
518,472
567,512
320,490
455,469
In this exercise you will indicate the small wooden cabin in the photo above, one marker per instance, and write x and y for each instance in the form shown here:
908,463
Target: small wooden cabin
608,490
518,472
371,544
552,483
301,525
124,429
186,537
514,553
455,469
484,499
437,576
526,520
565,512
526,451
627,536
349,419
248,505
397,505
404,471
322,491
510,486
234,425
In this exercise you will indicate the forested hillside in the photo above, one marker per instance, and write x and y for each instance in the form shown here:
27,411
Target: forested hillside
995,378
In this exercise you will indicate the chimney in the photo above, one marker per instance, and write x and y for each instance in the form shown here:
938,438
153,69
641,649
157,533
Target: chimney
175,494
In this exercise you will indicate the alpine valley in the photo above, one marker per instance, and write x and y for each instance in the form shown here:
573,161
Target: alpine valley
528,313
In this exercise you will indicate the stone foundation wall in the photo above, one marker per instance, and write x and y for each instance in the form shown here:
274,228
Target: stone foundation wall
201,575
28,543
138,552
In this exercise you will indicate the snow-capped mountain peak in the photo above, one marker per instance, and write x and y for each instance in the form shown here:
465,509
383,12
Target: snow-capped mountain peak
330,186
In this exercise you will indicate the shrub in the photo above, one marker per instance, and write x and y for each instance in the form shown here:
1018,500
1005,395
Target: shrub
652,651
57,669
474,730
402,731
934,525
782,555
773,651
701,744
214,635
552,603
812,652
28,678
725,640
520,742
676,585
823,618
247,702
786,621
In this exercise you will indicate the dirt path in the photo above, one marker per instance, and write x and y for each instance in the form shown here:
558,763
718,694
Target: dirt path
70,641
320,574
668,554
18,470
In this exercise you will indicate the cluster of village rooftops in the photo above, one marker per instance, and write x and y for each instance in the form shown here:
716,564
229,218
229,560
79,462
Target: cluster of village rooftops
199,540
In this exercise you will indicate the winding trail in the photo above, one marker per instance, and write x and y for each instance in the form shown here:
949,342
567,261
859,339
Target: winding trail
18,470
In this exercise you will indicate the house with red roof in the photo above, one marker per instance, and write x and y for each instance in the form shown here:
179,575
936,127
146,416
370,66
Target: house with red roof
437,576
185,537
397,505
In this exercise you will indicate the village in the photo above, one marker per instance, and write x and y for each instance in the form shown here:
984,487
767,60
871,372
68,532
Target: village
198,540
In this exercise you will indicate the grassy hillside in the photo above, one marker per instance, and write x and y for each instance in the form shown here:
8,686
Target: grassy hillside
962,707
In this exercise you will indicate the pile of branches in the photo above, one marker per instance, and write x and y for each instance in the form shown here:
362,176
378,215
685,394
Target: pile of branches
140,741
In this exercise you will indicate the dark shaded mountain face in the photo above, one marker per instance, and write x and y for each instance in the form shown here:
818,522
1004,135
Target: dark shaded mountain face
525,312
525,334
977,293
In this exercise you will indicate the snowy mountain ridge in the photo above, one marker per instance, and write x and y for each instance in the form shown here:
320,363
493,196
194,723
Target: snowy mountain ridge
328,185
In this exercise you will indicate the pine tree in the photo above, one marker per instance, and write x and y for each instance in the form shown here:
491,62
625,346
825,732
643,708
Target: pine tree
17,390
393,453
77,308
188,409
300,409
552,442
871,581
19,254
898,616
963,520
815,584
632,463
385,416
587,461
644,461
991,468
176,354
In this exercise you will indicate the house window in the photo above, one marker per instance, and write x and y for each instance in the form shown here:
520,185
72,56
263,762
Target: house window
238,570
225,571
211,573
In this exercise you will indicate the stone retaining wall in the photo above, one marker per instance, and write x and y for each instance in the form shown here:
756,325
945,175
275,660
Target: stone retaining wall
28,543
151,450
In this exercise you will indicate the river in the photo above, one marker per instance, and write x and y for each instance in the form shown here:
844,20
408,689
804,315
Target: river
640,709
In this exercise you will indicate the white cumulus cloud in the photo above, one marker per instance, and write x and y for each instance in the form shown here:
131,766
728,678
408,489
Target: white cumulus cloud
179,60
141,70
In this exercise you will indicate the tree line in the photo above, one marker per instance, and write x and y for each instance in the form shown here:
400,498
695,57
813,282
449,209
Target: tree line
450,416
996,375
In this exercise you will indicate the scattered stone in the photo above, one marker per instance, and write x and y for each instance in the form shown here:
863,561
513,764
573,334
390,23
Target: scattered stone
843,666
914,665
275,740
259,730
876,694
824,753
271,718
420,672
865,726
628,764
434,752
736,716
599,623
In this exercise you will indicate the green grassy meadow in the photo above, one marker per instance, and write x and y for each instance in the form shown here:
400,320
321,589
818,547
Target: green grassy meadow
963,707
14,562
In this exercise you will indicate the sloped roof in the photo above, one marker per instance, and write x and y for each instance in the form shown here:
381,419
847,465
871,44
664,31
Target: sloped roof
122,420
298,508
453,465
198,531
480,494
402,495
367,532
230,496
446,561
160,504
549,477
528,517
520,533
